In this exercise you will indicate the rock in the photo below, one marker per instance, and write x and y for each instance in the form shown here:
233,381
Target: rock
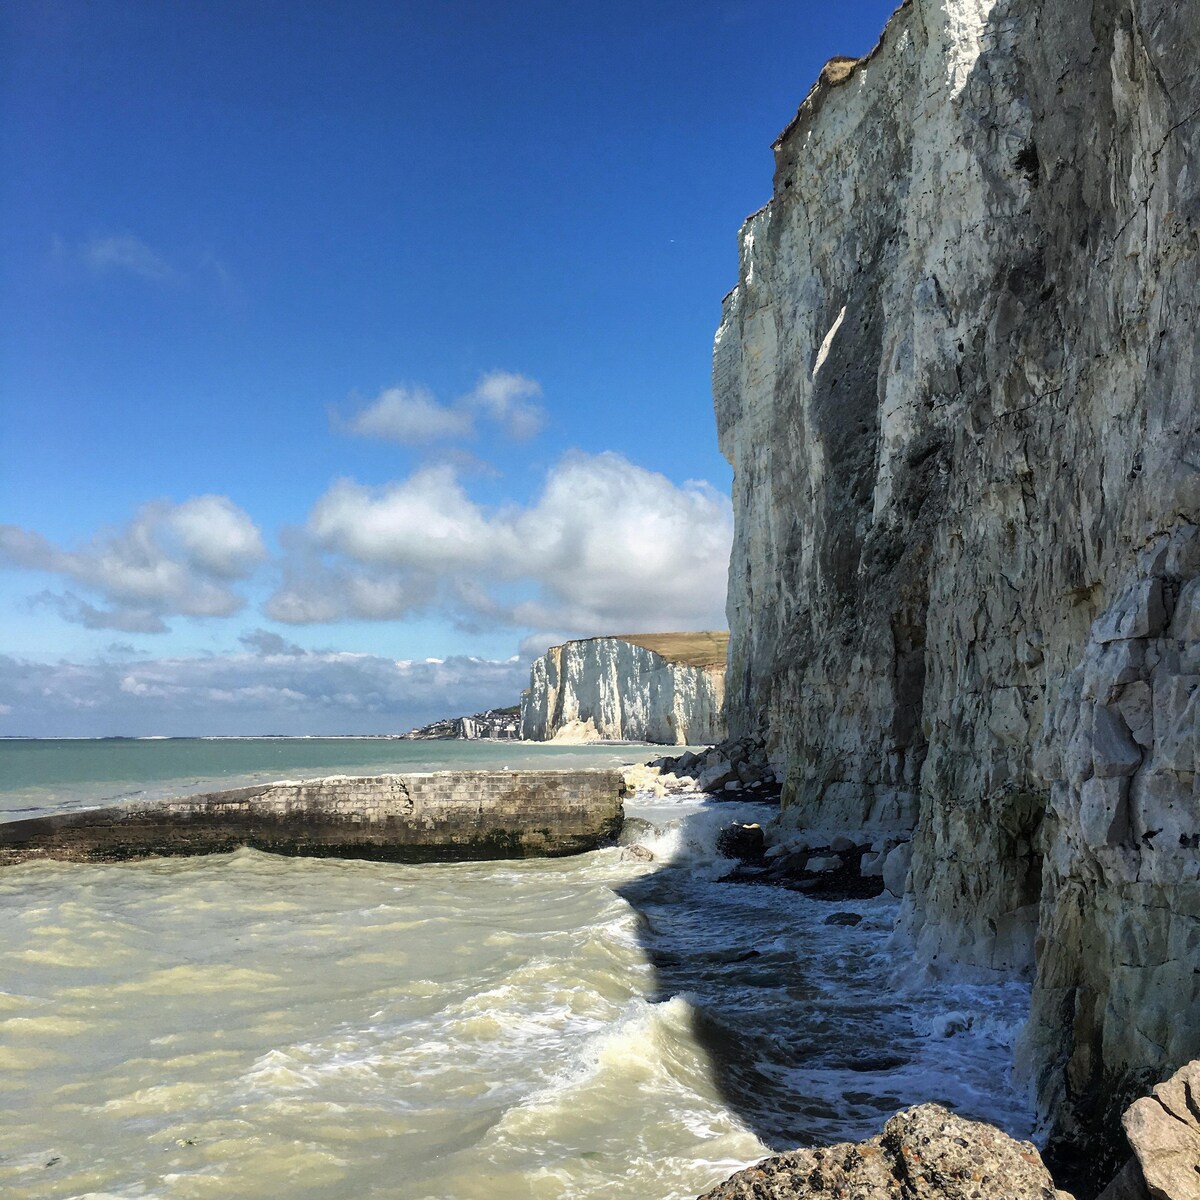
841,843
820,863
895,868
871,865
743,842
1114,752
715,775
1164,1132
1185,624
635,830
1104,812
1138,613
1129,1184
924,1153
843,918
641,853
747,774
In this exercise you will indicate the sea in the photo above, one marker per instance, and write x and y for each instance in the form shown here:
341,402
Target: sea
245,1025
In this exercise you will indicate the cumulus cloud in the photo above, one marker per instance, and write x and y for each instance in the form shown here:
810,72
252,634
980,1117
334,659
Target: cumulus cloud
508,399
272,689
606,547
411,415
170,559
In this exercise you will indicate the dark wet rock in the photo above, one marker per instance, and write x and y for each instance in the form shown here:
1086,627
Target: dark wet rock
924,1153
743,842
843,918
1130,1184
635,830
818,872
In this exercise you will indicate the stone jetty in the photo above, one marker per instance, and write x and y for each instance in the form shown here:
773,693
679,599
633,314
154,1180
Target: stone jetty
441,816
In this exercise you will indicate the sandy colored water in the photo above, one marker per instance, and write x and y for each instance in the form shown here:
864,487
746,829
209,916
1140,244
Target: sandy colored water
251,1026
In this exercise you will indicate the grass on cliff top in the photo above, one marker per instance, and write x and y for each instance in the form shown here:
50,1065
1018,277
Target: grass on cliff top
707,649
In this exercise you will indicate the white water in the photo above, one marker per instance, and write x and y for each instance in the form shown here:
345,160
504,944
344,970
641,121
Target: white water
251,1026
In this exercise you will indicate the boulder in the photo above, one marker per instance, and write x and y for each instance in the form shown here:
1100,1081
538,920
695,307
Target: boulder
1164,1131
871,864
635,830
715,775
743,842
924,1153
820,863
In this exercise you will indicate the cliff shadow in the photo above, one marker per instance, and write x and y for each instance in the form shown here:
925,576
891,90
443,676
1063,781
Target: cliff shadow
786,993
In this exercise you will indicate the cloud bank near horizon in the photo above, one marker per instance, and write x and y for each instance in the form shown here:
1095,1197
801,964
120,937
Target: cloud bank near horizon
272,688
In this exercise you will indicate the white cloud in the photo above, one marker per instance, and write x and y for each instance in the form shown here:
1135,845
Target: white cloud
274,689
217,536
426,522
170,559
607,547
412,416
507,399
124,252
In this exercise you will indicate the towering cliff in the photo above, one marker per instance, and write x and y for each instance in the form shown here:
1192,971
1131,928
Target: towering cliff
665,687
959,385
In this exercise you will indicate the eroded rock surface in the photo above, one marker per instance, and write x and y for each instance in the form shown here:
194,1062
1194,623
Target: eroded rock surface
924,1153
614,688
959,384
1164,1133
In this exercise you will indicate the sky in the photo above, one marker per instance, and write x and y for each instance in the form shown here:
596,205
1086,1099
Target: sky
354,353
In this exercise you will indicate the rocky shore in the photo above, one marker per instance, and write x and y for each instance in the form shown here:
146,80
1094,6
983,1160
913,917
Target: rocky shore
930,1153
927,1152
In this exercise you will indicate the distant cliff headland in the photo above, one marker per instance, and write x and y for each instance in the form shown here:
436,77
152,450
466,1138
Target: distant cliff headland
667,687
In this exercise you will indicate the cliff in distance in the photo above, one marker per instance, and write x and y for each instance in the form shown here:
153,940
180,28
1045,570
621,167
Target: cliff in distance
959,384
665,687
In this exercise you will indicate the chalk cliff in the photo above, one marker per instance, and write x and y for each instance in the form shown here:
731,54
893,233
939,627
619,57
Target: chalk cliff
959,384
645,688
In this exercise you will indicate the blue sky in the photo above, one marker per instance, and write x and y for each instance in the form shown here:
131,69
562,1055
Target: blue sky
344,337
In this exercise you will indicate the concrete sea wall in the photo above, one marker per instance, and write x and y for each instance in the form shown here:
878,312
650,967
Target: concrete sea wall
440,816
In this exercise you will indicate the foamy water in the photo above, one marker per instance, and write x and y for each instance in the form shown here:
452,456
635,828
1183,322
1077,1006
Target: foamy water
245,1025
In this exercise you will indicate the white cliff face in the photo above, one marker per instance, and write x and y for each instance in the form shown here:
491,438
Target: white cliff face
617,690
959,385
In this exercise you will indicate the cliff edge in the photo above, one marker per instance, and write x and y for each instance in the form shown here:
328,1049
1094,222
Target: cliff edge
959,385
665,687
